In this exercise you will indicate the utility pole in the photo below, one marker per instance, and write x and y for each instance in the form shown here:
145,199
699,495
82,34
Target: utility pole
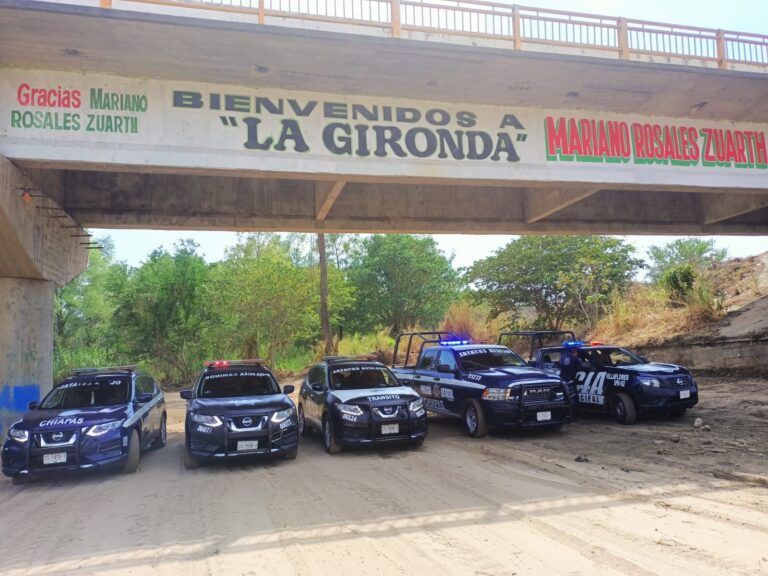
325,321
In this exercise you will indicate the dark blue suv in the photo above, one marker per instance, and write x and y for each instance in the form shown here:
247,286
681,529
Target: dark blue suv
97,417
236,409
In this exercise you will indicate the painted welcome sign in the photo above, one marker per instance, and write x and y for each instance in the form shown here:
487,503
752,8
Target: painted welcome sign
89,118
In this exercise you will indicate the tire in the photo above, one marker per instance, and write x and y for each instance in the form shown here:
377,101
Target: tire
304,430
162,436
679,413
624,409
190,463
291,454
417,443
18,480
331,444
474,419
134,450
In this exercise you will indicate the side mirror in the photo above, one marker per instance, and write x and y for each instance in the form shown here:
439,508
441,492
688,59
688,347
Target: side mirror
445,369
318,388
288,389
532,363
186,394
144,398
33,405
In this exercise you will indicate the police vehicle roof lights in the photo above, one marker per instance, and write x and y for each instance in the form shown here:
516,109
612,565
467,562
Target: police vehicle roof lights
574,343
228,363
128,368
454,342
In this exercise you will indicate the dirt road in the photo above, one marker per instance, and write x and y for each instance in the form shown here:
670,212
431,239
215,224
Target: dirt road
657,498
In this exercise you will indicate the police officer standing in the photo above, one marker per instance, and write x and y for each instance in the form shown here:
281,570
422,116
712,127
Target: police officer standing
570,363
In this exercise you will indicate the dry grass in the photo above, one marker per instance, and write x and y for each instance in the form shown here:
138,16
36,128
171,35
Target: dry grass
472,322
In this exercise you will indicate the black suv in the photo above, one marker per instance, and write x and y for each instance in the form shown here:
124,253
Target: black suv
236,408
357,401
95,418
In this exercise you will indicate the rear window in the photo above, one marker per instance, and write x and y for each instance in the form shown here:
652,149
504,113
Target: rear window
361,377
238,383
85,391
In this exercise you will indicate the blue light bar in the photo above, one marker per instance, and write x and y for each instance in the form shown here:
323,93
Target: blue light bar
454,342
574,343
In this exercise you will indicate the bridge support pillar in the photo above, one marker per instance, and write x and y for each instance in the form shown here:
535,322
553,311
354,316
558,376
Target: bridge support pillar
39,250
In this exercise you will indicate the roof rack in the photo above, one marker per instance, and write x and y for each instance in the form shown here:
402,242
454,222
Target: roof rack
537,338
434,337
127,368
359,357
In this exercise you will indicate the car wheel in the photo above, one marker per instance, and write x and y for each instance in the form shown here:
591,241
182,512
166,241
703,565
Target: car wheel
624,409
162,436
330,442
474,419
18,480
417,443
190,463
291,454
304,430
132,463
679,413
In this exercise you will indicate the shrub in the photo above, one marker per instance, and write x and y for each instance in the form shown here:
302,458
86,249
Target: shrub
678,281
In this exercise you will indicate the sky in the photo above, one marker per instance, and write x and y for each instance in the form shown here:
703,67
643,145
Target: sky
737,15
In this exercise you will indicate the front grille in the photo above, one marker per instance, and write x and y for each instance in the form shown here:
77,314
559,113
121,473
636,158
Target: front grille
55,438
543,393
393,412
248,422
676,381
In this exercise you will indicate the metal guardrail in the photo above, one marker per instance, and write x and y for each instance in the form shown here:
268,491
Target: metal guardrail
520,25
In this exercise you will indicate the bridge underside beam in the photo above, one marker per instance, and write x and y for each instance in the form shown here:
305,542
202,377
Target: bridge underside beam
717,208
167,201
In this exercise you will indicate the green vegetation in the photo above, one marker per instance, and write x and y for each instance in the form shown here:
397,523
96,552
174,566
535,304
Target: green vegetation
263,299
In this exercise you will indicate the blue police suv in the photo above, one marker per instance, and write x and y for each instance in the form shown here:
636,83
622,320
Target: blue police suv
237,409
356,401
97,417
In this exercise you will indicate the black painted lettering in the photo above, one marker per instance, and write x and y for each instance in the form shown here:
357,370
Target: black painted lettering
388,136
337,138
291,131
183,99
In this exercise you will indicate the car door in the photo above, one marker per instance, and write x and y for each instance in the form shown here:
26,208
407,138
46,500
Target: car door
446,384
426,379
316,391
144,385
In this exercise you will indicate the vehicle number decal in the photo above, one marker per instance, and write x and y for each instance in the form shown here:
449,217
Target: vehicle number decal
286,424
590,387
204,429
474,377
349,417
432,403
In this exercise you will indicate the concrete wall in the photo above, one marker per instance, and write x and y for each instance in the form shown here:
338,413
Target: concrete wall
26,345
744,356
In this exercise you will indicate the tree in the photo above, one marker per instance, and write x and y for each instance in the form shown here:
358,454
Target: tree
325,321
399,281
159,316
563,278
699,254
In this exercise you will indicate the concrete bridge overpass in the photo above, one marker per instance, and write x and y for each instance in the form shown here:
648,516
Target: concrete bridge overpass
366,115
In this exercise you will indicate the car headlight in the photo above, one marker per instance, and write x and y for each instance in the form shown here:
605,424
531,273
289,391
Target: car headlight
351,409
416,406
101,429
281,415
647,381
205,419
18,435
496,394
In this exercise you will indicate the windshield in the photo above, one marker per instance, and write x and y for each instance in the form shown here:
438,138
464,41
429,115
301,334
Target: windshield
484,358
82,392
241,383
361,377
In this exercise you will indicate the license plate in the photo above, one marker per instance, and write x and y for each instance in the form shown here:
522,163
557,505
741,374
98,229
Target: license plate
58,458
543,416
247,445
390,428
685,394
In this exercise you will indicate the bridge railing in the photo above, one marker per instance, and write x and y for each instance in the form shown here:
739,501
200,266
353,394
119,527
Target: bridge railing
519,25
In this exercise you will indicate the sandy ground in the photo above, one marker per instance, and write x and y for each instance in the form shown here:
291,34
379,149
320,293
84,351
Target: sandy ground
660,497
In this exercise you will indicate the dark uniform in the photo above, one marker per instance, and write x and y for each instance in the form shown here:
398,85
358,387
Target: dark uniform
569,364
